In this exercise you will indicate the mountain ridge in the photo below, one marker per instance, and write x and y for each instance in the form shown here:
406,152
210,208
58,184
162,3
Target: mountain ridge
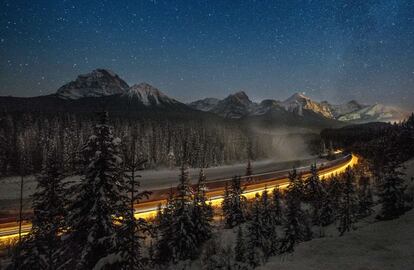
102,88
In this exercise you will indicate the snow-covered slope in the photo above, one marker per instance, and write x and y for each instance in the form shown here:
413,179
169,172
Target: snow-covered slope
235,105
345,108
205,105
299,102
98,83
148,95
376,112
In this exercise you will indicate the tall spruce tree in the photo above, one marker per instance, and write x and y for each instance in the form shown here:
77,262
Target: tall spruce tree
296,227
256,236
39,248
93,233
365,197
164,219
348,204
132,229
391,192
240,251
335,187
202,211
276,207
234,204
314,193
184,240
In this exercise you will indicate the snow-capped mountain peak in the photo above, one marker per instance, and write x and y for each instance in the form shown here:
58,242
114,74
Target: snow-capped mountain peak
98,83
299,102
148,94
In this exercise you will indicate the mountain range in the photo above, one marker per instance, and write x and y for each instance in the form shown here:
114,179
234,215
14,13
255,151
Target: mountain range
103,89
238,105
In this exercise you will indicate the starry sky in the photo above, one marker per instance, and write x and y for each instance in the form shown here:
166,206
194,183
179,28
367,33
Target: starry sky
330,50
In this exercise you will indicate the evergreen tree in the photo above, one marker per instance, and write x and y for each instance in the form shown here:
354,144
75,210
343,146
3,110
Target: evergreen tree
234,204
326,213
335,188
296,227
39,248
131,228
365,197
184,240
164,219
276,206
391,193
268,225
240,251
96,207
255,236
202,212
348,203
314,193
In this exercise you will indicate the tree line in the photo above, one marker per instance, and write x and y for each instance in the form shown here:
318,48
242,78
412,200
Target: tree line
163,141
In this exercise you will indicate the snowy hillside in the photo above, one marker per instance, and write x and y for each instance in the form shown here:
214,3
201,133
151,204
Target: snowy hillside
370,247
148,95
376,112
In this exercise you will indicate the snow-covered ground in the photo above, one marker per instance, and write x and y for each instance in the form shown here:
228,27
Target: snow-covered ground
374,245
381,245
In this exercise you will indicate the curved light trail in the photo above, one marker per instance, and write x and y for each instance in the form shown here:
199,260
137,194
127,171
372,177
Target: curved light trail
148,210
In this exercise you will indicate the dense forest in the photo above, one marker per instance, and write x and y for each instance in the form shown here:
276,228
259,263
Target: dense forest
163,141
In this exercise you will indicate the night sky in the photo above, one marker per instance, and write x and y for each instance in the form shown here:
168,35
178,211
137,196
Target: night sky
333,50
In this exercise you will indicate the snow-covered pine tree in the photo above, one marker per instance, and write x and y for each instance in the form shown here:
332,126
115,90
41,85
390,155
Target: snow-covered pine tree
296,227
348,204
240,252
314,192
132,229
92,237
226,205
391,192
184,240
365,197
326,213
234,204
39,249
164,219
276,219
268,228
335,188
276,206
202,211
255,237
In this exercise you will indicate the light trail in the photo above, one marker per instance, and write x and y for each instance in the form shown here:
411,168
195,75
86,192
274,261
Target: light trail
148,210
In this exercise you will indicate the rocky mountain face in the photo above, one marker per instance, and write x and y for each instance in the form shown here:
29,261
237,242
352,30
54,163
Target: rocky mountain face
235,105
148,95
205,105
98,83
239,105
